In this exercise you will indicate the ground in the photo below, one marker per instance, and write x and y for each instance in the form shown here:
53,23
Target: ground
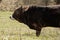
13,30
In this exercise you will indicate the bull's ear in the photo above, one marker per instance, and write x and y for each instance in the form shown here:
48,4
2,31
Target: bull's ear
21,7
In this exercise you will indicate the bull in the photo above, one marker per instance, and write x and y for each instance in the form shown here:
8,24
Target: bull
38,17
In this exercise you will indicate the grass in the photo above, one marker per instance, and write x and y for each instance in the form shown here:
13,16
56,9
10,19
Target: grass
13,30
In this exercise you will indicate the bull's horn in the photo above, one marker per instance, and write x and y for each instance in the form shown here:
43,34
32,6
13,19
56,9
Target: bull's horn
25,8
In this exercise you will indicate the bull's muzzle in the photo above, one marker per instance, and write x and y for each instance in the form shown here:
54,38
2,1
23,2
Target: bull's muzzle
11,17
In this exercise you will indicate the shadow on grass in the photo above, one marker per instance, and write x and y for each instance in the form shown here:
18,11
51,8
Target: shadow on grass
30,34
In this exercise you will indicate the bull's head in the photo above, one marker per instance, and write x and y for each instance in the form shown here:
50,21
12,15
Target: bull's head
18,13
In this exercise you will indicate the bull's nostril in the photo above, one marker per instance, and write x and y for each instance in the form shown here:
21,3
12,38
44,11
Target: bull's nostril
10,17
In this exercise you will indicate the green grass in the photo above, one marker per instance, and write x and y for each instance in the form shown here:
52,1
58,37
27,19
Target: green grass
13,30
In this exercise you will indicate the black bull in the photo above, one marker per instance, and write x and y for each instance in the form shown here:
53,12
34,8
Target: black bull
38,17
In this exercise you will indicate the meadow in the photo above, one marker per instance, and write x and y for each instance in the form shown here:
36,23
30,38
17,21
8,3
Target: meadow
13,30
